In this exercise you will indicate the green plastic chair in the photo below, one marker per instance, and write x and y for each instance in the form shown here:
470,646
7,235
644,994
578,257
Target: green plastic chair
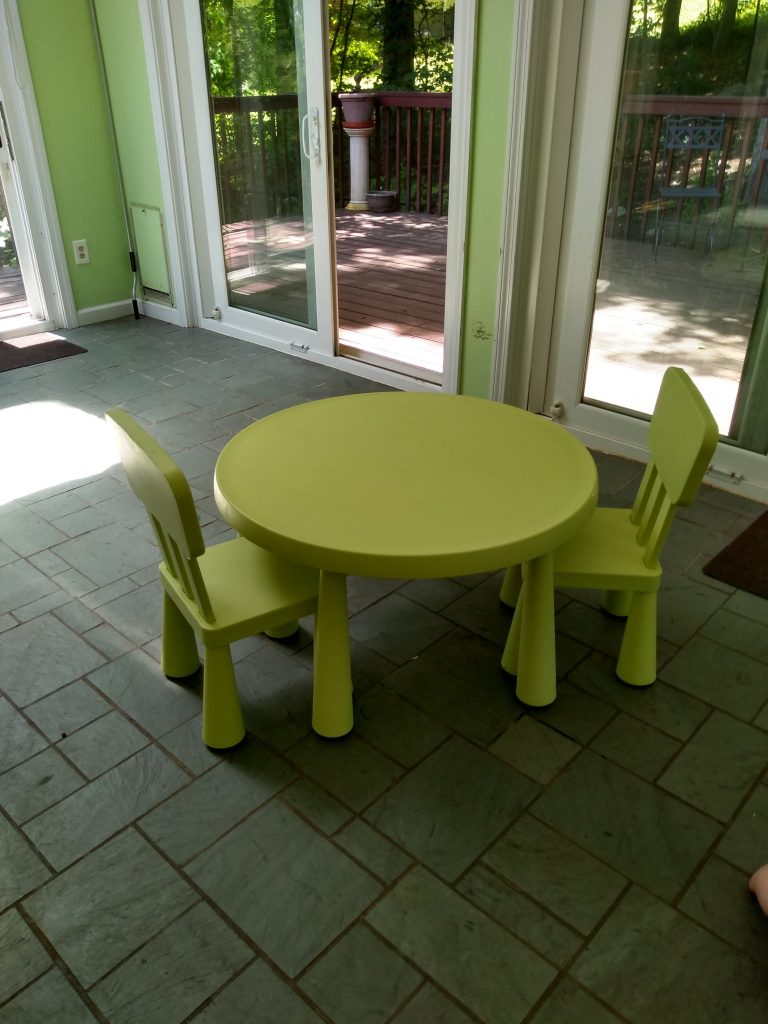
221,594
618,550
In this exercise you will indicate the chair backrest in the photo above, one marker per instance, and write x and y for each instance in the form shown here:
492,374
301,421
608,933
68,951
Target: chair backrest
681,441
694,133
162,487
686,136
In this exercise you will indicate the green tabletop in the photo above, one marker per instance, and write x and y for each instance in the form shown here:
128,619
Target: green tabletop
397,484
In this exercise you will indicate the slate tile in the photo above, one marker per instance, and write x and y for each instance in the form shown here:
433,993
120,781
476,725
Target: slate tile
349,768
276,696
21,584
50,998
637,829
748,605
138,615
376,980
397,628
137,685
108,554
102,744
199,814
697,977
21,870
186,745
480,610
717,767
174,973
20,740
570,1003
104,908
744,844
728,679
299,892
40,656
22,957
485,968
67,709
448,809
258,994
460,682
534,749
555,872
720,900
396,727
661,706
107,640
636,746
529,921
41,606
433,594
374,852
684,607
31,787
574,713
81,821
429,1004
738,633
26,532
317,806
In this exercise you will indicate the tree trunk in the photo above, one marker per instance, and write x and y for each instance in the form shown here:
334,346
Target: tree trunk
725,25
670,25
398,44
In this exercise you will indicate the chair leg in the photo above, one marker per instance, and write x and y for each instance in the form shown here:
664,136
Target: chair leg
637,657
617,602
510,588
511,655
282,632
223,724
178,658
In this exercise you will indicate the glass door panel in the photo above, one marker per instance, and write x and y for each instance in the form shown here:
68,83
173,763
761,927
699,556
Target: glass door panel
681,252
263,132
254,104
13,297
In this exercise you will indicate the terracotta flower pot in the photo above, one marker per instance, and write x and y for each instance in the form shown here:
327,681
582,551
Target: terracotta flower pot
357,108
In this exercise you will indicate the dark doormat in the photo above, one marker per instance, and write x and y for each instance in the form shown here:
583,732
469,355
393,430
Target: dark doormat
744,562
35,348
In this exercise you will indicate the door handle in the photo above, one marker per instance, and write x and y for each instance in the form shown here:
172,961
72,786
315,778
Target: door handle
310,134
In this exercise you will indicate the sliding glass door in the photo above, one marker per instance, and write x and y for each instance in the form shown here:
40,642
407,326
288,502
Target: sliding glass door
666,230
257,108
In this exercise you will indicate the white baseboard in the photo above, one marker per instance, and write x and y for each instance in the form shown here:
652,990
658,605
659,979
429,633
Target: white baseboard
110,311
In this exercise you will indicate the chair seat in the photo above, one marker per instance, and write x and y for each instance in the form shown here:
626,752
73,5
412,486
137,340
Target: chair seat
605,555
238,575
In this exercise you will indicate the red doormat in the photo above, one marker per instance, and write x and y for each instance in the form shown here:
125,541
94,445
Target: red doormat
35,348
744,562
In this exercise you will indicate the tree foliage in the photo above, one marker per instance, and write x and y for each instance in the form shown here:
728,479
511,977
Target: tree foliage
374,44
697,47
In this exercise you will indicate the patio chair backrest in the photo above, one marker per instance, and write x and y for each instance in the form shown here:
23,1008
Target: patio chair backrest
162,487
694,133
682,439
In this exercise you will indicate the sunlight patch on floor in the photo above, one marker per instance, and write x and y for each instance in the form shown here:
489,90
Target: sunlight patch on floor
46,444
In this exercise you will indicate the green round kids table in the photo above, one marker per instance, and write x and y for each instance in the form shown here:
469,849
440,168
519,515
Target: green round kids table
409,485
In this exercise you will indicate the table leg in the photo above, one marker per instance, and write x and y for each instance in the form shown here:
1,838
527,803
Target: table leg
536,673
332,692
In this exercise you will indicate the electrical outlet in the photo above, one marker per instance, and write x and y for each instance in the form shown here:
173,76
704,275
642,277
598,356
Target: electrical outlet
81,251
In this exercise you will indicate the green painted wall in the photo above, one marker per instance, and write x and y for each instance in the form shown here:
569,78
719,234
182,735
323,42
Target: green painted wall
65,72
123,49
486,191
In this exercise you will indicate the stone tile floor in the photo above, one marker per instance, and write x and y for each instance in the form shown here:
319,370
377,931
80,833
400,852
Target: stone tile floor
457,858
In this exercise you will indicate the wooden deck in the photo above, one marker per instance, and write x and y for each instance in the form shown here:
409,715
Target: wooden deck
391,283
391,273
13,298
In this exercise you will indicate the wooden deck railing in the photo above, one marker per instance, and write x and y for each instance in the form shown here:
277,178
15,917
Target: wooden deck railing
258,142
738,170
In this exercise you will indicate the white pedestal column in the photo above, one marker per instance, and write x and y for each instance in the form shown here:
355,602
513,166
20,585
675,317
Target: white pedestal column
358,167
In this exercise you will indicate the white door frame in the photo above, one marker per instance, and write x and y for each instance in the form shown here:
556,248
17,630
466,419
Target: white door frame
541,361
35,219
168,73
